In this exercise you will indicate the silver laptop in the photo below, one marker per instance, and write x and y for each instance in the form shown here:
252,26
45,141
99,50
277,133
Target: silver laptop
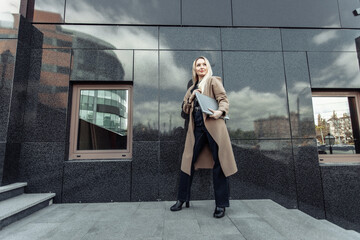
206,102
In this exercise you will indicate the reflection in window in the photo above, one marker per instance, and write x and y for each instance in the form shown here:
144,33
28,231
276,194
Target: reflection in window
103,119
100,122
336,124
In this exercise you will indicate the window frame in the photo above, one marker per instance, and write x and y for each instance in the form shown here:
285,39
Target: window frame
340,158
75,154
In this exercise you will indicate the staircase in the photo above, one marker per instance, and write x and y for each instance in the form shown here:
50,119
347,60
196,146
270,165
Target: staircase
15,204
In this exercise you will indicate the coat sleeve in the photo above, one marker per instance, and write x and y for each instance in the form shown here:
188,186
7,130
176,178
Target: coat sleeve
186,105
220,95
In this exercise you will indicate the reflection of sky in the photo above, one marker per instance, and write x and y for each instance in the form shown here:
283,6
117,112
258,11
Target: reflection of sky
319,40
300,93
12,6
326,105
6,20
52,6
121,37
247,105
255,84
123,11
339,69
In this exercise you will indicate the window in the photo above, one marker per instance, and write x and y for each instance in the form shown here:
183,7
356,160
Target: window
336,116
101,122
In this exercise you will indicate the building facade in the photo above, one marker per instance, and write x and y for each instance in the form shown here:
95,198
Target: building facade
91,96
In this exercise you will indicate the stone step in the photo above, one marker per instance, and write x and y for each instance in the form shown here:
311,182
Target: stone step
355,234
11,190
18,207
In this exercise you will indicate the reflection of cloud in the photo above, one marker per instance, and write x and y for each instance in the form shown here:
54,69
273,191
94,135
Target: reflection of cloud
169,112
344,68
11,6
327,105
325,36
80,10
248,105
6,20
120,37
146,69
146,113
50,6
299,87
300,93
180,76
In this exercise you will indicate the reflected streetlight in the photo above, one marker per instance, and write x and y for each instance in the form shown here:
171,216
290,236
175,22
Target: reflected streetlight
330,140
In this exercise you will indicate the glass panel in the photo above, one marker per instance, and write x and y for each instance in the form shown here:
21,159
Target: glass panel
7,66
255,85
10,6
103,125
250,39
333,125
192,38
299,95
289,13
87,37
348,20
49,11
102,65
319,40
123,11
146,96
334,69
9,18
213,13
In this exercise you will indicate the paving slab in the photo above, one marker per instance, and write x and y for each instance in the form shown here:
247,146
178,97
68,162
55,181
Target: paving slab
244,220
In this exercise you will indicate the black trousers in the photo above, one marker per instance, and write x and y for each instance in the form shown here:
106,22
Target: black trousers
220,182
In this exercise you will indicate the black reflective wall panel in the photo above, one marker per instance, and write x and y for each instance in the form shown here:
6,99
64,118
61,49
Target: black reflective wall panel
160,12
209,13
310,13
255,84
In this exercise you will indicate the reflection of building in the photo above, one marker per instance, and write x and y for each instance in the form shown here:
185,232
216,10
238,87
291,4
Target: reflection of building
273,126
321,129
340,128
103,119
55,67
105,108
278,126
8,25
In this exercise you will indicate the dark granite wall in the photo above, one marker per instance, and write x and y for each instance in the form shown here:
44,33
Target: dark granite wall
341,194
268,74
8,51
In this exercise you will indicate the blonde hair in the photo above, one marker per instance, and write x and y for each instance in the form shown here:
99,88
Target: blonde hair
205,79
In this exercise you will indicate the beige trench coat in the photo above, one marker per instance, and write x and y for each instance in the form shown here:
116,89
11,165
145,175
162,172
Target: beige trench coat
217,130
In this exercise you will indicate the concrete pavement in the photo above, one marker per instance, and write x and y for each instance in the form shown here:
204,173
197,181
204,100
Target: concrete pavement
244,220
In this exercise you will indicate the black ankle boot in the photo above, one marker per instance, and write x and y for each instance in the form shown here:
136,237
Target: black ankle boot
219,212
178,205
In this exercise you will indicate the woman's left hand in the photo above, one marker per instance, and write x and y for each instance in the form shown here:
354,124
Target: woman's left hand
216,113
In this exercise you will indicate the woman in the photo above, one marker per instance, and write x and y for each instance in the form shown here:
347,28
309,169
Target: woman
207,142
